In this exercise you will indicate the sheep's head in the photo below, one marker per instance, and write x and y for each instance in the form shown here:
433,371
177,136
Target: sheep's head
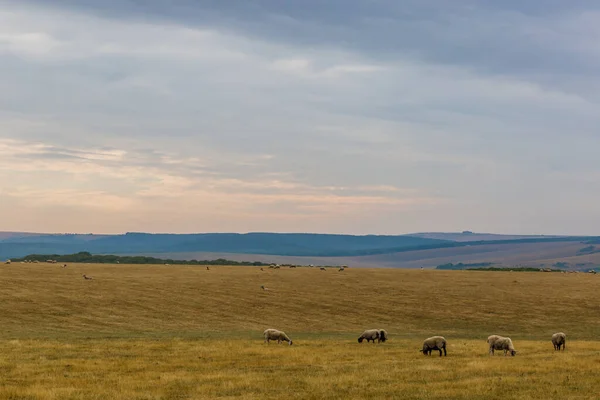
291,342
360,340
513,352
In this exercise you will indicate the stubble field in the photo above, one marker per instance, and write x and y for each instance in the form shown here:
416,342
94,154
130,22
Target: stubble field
176,332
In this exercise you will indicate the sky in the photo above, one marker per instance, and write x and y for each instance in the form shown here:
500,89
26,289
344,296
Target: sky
338,116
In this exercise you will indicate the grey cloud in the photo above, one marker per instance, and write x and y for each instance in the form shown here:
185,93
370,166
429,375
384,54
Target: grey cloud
487,122
532,39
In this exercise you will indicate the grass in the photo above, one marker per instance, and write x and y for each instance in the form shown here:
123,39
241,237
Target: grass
177,332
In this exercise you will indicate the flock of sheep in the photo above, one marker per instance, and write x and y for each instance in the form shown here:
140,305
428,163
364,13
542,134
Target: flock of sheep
434,343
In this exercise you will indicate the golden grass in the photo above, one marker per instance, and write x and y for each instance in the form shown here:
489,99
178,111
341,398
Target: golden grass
173,332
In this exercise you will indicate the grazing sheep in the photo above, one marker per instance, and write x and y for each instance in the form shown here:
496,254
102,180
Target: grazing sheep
87,278
274,334
559,339
64,266
501,343
322,269
373,334
277,267
434,343
7,262
341,269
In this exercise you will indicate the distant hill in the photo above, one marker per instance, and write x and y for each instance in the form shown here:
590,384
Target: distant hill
426,250
292,244
468,236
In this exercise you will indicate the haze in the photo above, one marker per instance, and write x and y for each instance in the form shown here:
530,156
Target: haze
347,116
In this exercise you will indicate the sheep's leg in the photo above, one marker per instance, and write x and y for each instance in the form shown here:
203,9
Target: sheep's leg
491,351
440,352
445,354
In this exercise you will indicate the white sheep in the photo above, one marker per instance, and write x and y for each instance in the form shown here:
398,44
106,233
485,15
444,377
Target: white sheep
434,343
501,343
274,334
373,334
559,339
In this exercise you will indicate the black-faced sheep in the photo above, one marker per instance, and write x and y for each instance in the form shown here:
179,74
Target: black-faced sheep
274,334
434,343
501,343
373,334
559,339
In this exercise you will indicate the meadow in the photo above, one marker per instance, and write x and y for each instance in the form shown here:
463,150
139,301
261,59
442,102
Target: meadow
179,332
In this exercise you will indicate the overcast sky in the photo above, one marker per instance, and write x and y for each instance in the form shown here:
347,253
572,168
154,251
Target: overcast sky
337,116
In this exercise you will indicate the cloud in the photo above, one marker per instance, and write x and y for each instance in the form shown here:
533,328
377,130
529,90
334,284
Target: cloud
133,183
352,116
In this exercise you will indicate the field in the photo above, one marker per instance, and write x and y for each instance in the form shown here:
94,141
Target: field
165,332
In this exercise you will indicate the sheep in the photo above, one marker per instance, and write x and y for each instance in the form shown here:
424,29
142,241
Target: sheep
262,269
371,334
7,262
64,266
87,278
501,343
274,334
208,269
434,343
559,339
341,269
322,269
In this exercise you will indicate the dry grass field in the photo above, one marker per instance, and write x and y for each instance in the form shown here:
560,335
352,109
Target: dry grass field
176,332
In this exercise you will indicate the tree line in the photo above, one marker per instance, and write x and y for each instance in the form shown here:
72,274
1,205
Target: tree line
86,257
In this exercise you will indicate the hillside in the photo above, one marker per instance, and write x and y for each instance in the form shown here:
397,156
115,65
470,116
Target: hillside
542,254
293,244
404,251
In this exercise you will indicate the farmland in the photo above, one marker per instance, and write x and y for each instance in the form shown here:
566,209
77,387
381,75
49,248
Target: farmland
161,332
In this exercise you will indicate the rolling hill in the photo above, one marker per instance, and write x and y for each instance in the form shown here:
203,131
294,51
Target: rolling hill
426,250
